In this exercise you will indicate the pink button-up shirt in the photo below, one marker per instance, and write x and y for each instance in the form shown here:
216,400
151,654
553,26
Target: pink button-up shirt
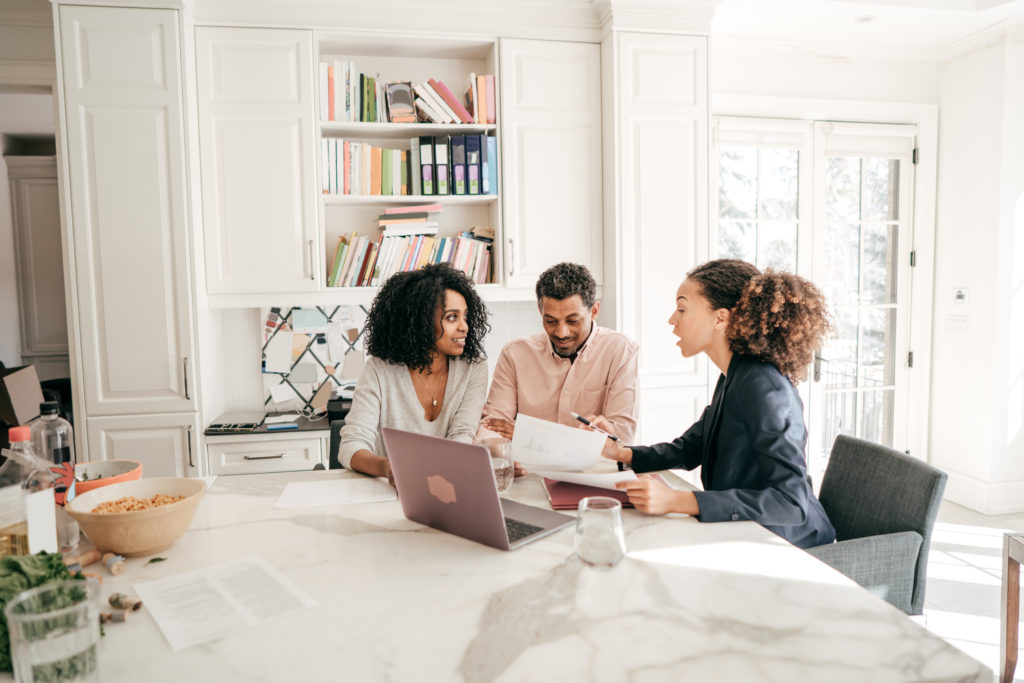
530,378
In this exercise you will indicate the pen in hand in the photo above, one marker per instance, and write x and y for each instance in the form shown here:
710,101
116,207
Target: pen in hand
596,429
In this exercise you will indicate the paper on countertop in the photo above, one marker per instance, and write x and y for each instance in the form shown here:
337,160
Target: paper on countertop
277,356
283,417
604,480
552,446
307,494
206,604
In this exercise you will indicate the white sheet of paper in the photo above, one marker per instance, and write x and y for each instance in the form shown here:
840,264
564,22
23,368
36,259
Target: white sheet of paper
283,417
308,320
279,393
552,446
336,343
209,603
309,494
604,480
42,521
278,354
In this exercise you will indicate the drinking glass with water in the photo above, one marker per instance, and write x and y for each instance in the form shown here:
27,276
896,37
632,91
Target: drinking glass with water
501,460
599,540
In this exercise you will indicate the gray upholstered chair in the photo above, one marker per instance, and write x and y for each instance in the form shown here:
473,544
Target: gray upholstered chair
883,505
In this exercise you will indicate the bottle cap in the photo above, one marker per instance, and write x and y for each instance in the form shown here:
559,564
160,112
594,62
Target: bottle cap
23,433
48,408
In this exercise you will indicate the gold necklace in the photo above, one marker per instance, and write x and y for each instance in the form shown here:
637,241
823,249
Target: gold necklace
426,387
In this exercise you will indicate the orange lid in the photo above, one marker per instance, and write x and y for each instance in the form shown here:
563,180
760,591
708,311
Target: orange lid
23,433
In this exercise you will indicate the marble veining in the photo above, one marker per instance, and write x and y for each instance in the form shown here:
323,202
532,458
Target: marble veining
399,602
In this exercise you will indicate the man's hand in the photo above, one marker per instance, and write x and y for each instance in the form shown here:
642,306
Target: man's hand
502,427
655,498
613,450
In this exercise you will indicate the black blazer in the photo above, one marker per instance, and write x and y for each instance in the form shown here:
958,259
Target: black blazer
750,446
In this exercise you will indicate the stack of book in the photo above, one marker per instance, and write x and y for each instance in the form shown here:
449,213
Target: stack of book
407,241
351,96
433,165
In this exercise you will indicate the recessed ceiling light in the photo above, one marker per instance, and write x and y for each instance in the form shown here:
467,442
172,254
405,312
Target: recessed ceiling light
865,19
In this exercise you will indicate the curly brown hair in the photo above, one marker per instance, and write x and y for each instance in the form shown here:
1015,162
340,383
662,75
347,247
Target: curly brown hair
774,316
782,319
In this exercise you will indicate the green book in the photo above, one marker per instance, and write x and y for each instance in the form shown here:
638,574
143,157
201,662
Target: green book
385,172
339,258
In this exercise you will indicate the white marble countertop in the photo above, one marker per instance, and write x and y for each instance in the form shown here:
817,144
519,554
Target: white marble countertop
401,602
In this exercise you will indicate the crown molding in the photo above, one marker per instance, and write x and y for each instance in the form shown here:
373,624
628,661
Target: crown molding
1008,30
662,16
837,52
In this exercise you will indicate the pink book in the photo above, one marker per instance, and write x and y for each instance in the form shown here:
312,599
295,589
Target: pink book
413,209
451,100
492,100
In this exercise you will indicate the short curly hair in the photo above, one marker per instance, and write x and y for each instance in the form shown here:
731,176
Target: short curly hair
565,280
401,327
774,316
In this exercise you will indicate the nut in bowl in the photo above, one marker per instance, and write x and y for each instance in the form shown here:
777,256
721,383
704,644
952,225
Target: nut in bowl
138,532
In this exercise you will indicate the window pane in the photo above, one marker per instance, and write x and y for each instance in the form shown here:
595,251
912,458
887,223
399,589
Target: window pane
737,239
777,246
842,263
842,345
777,183
878,346
881,189
842,188
876,414
737,182
881,250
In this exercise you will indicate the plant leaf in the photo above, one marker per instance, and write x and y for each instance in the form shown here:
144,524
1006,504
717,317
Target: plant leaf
154,559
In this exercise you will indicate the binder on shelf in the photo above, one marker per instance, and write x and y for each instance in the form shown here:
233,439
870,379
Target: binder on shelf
473,164
441,164
492,158
426,147
458,164
485,166
441,89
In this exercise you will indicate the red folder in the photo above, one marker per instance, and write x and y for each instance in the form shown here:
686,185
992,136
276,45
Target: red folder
567,496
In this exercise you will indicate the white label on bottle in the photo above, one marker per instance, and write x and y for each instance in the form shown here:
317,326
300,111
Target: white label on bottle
42,521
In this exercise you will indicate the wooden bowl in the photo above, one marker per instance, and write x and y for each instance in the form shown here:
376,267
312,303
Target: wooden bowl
141,532
105,472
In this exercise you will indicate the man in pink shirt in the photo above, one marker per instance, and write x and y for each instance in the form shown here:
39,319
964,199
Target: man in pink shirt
573,366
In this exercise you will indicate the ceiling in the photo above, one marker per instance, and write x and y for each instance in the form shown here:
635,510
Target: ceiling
928,27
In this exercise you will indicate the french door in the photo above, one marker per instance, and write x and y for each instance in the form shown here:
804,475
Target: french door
832,202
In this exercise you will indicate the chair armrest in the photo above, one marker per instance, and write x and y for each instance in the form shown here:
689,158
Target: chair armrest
885,564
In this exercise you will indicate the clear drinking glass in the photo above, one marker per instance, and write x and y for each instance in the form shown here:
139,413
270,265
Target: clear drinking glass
501,461
55,633
599,539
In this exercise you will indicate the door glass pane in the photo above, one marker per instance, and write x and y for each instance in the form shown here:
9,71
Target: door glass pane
877,348
778,192
876,412
881,185
842,191
777,246
881,250
842,263
758,205
737,182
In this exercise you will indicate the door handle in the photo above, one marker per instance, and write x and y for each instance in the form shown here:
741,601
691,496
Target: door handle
184,372
263,457
511,257
309,251
188,437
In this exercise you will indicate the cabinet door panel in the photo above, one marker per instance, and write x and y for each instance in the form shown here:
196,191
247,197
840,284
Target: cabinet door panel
164,444
551,126
257,155
125,144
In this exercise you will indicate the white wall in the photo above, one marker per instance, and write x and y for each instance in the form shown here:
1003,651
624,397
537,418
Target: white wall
751,68
19,114
978,371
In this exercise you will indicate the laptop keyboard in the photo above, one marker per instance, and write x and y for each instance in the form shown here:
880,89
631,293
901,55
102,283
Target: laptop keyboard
519,530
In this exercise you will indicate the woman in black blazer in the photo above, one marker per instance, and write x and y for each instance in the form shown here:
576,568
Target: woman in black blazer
761,330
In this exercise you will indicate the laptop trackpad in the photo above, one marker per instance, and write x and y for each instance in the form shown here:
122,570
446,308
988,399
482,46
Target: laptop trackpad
545,520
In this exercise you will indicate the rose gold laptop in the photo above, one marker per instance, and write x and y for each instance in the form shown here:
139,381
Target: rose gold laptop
450,486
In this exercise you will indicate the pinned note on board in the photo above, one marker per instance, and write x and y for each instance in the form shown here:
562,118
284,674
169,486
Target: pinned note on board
308,320
277,354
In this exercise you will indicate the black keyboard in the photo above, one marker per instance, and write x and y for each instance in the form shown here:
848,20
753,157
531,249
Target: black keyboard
519,530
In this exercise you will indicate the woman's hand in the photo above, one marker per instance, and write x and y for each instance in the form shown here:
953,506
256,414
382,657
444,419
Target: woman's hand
499,426
611,449
375,465
650,495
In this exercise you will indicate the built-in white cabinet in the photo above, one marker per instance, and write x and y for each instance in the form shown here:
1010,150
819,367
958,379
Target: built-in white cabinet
35,210
551,112
122,115
258,160
166,445
273,453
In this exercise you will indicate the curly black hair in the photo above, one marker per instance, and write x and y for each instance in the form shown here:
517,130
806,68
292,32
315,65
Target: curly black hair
401,327
565,280
774,316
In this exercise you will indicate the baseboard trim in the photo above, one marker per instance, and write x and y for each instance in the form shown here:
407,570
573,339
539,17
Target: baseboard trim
990,498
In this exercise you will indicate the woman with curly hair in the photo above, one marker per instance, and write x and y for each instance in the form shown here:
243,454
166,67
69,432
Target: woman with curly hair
426,372
761,330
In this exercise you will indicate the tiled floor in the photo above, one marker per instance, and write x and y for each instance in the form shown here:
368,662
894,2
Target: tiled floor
964,574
